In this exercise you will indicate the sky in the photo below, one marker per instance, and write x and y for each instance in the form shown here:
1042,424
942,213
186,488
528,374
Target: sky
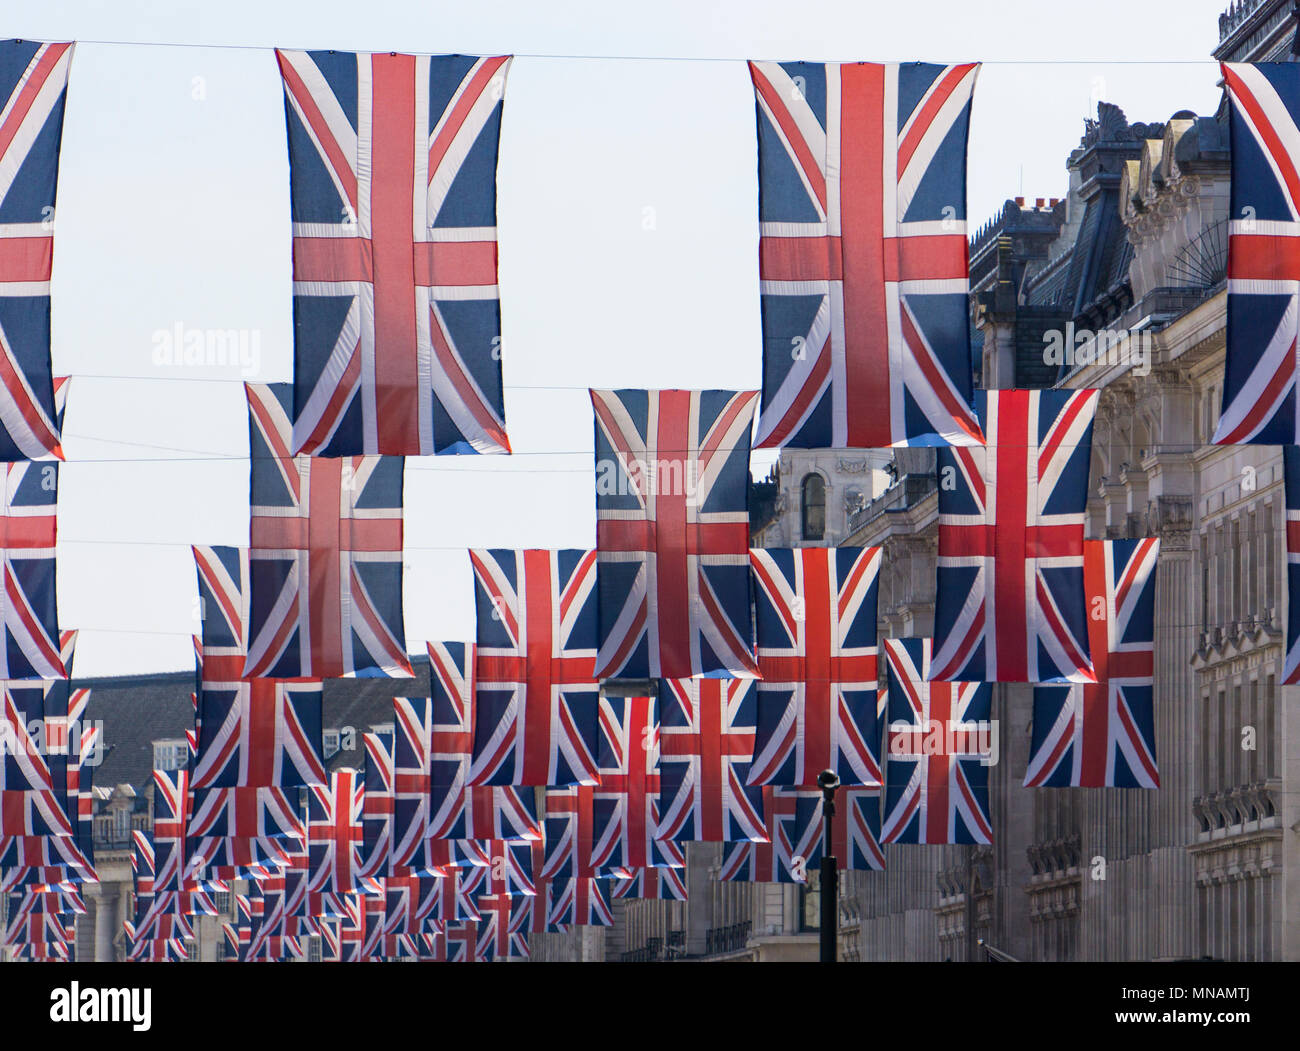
627,218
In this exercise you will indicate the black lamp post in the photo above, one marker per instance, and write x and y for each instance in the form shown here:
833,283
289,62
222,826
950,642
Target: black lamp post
828,782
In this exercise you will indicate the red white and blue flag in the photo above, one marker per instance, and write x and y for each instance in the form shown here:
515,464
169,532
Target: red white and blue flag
1010,601
569,828
34,797
27,537
1260,402
672,533
325,556
335,833
855,829
243,826
410,901
496,938
815,615
412,740
656,883
397,320
377,781
936,771
535,690
862,256
447,742
1102,734
579,903
33,91
625,805
250,732
706,743
769,862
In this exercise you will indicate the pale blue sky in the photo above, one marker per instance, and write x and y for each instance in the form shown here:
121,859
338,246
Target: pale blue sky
628,242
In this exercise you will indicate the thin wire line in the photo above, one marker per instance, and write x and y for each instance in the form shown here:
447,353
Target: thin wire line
191,543
74,375
880,635
558,56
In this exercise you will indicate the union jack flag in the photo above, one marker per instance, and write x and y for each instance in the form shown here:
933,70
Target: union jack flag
409,902
460,941
855,829
24,759
223,857
325,556
706,743
397,324
246,814
251,733
33,90
1260,403
259,733
1291,482
625,805
32,813
268,918
412,740
171,811
577,902
1094,735
816,624
335,833
770,862
656,883
433,945
32,860
437,856
451,734
528,912
510,868
535,687
37,918
496,939
457,892
1010,604
27,535
936,774
672,533
435,817
863,256
73,746
569,832
377,807
33,801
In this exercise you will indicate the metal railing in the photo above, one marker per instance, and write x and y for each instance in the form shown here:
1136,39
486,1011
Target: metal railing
727,939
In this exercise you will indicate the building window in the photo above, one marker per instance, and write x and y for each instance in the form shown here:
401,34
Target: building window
170,755
814,507
810,906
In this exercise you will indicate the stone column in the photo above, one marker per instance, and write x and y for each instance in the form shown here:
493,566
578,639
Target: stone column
1175,712
1011,929
105,899
1287,911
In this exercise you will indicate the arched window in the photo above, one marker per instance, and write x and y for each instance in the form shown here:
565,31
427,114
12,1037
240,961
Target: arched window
814,507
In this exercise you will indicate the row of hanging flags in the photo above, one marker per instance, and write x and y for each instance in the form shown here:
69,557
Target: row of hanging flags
520,796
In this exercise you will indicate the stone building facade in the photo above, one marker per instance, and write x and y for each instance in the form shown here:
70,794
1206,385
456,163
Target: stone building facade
1131,265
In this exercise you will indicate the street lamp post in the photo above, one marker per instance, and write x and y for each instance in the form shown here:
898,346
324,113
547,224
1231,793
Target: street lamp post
828,782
